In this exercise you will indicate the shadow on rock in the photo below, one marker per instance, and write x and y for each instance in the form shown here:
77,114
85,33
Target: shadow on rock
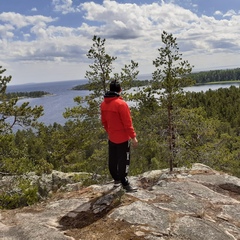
90,212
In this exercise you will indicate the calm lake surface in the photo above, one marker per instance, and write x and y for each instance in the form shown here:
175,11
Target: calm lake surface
63,96
54,105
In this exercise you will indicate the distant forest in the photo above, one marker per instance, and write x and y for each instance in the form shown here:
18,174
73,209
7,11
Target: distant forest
204,77
33,94
216,76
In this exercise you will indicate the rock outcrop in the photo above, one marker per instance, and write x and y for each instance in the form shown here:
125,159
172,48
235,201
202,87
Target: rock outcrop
187,204
46,184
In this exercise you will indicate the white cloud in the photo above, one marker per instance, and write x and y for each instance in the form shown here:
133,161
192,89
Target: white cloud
64,6
6,31
120,24
218,13
19,21
229,13
136,19
111,14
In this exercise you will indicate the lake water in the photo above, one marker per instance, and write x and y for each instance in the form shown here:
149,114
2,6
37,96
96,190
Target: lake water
54,105
63,96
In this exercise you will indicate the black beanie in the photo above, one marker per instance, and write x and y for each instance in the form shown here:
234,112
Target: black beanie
115,86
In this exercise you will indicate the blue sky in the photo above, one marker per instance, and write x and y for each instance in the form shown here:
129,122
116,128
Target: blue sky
47,40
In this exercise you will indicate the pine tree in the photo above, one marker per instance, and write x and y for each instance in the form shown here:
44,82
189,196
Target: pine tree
170,76
10,113
84,118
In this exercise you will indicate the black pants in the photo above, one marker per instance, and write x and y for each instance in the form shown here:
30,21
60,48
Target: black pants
119,160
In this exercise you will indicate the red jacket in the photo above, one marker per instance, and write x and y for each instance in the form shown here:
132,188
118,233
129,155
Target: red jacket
116,118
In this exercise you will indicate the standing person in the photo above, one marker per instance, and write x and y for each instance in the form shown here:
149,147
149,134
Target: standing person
117,121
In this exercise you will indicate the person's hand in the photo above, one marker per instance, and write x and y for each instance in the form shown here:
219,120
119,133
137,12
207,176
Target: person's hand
135,142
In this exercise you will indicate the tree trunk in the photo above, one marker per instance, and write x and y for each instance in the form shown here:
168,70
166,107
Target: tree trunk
171,135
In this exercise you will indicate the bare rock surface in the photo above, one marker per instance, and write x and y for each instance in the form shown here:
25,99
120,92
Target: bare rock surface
186,204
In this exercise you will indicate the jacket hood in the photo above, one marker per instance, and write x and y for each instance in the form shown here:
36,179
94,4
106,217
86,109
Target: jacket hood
111,94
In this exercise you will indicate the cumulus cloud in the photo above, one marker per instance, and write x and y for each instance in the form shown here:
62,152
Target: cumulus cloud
132,21
19,21
219,13
64,6
229,13
52,52
118,20
46,51
6,31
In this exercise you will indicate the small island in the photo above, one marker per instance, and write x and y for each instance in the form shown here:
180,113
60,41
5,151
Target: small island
33,94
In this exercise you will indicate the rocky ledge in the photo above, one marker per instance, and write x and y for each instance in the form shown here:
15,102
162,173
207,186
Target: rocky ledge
187,204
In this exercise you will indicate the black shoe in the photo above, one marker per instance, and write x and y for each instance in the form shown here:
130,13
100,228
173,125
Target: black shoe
129,188
117,184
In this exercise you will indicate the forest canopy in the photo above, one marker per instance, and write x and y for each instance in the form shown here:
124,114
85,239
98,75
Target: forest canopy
216,76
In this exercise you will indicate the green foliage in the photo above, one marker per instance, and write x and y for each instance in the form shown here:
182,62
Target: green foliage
22,153
98,159
193,133
99,75
16,165
11,114
12,160
20,194
7,145
128,75
42,166
149,122
223,104
23,165
3,82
